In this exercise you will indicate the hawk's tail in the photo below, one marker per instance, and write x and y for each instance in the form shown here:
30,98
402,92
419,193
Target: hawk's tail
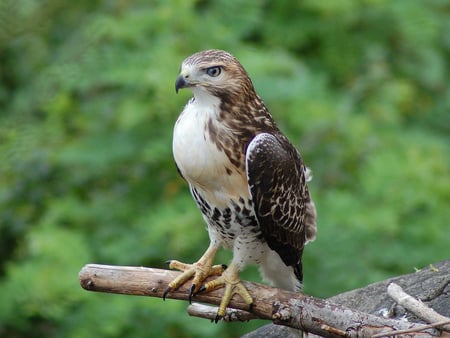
277,273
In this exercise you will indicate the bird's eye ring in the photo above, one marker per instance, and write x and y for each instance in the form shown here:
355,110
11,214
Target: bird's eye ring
214,71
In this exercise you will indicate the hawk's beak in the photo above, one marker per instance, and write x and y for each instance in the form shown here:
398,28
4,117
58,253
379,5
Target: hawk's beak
181,82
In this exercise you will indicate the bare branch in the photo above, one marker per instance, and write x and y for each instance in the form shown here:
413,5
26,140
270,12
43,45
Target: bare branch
282,307
210,312
415,306
421,328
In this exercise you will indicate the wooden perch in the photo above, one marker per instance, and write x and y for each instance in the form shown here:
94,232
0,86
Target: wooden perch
416,306
210,312
282,307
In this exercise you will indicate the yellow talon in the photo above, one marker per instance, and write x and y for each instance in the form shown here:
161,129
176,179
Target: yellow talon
199,270
203,268
233,285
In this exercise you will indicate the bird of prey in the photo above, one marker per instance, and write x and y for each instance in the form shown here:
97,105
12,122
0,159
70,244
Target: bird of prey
246,177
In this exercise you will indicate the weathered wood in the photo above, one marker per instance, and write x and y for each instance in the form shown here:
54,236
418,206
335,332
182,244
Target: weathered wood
153,282
210,312
296,310
430,284
416,306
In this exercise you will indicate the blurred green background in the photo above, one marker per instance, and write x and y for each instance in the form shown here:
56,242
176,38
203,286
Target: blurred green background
87,106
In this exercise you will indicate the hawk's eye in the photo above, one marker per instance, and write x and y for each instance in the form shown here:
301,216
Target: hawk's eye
214,71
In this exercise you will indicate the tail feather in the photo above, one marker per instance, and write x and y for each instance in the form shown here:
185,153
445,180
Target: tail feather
277,273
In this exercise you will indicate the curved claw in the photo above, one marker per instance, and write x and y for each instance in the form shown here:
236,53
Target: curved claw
168,262
166,292
216,320
191,292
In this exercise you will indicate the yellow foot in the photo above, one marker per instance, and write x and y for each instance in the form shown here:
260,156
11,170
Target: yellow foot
199,270
230,279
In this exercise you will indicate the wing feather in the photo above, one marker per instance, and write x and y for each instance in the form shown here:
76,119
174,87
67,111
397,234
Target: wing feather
277,184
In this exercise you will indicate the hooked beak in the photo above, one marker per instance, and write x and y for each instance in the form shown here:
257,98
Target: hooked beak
181,82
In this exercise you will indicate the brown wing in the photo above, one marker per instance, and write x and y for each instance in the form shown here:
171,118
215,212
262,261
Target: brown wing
277,184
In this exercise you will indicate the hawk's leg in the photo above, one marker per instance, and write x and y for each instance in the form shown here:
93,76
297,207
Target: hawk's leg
232,282
199,270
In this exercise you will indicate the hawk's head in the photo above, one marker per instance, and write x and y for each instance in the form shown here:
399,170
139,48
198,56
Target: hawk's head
214,72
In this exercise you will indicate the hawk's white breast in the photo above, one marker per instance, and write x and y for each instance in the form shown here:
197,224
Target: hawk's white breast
198,158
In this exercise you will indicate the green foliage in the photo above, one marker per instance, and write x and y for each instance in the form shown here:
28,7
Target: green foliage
87,106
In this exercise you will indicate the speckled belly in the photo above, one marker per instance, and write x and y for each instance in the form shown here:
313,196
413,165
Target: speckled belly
236,220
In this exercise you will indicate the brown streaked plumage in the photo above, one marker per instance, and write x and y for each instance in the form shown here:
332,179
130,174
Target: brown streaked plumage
246,177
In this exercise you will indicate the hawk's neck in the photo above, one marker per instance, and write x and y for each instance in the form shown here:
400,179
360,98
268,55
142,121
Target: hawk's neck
238,121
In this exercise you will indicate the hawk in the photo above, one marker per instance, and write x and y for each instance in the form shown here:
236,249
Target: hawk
248,180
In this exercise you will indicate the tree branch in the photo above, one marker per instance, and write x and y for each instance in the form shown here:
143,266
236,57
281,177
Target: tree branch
416,306
282,307
210,312
422,327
